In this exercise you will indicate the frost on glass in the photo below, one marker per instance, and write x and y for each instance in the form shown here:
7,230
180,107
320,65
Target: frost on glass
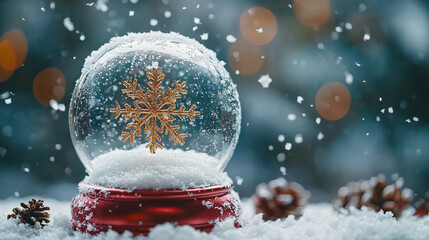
212,136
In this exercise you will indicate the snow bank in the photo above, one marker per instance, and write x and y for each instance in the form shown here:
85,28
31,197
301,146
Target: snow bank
318,222
168,168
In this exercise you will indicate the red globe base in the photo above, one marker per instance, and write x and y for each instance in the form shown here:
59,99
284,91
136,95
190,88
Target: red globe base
97,209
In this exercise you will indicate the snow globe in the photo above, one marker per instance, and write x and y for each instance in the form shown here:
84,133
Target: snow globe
154,118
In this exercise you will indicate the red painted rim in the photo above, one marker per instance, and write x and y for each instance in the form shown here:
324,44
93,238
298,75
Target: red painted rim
118,193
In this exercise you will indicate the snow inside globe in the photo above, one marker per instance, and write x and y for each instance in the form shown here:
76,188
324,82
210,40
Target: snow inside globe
154,111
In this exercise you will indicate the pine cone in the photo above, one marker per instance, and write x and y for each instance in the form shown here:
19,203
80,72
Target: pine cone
422,207
376,194
349,195
34,212
278,199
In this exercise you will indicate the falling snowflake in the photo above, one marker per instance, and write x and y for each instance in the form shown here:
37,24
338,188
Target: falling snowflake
349,26
366,37
102,5
68,24
265,81
204,36
231,39
167,14
349,77
239,180
152,106
197,20
320,136
299,138
283,171
153,22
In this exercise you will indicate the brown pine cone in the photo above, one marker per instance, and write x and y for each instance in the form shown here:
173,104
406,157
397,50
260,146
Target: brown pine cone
422,207
376,194
34,212
278,199
349,195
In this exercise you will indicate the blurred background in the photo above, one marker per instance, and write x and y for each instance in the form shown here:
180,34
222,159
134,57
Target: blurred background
331,91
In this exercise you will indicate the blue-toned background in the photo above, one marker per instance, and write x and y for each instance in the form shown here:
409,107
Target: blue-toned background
379,50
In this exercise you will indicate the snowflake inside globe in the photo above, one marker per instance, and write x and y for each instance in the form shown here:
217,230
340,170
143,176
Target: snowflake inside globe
154,110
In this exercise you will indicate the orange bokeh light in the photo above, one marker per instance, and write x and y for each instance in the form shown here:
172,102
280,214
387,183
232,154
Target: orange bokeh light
18,42
333,101
258,25
7,56
4,74
49,84
245,57
13,52
312,13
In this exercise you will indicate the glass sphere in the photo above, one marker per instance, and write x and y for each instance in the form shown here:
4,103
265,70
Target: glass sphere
154,99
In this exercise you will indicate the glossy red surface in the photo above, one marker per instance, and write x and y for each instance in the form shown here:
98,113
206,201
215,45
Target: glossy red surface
97,208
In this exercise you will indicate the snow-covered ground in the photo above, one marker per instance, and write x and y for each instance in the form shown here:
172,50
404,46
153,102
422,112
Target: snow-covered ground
318,222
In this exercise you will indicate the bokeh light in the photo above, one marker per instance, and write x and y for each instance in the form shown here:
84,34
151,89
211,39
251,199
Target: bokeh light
246,58
49,84
258,25
7,56
7,60
16,41
4,74
312,13
333,101
13,52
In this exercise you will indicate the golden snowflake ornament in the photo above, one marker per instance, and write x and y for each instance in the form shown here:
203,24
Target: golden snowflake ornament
154,110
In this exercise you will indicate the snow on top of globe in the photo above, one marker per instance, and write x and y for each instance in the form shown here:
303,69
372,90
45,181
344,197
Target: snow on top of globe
139,169
172,43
